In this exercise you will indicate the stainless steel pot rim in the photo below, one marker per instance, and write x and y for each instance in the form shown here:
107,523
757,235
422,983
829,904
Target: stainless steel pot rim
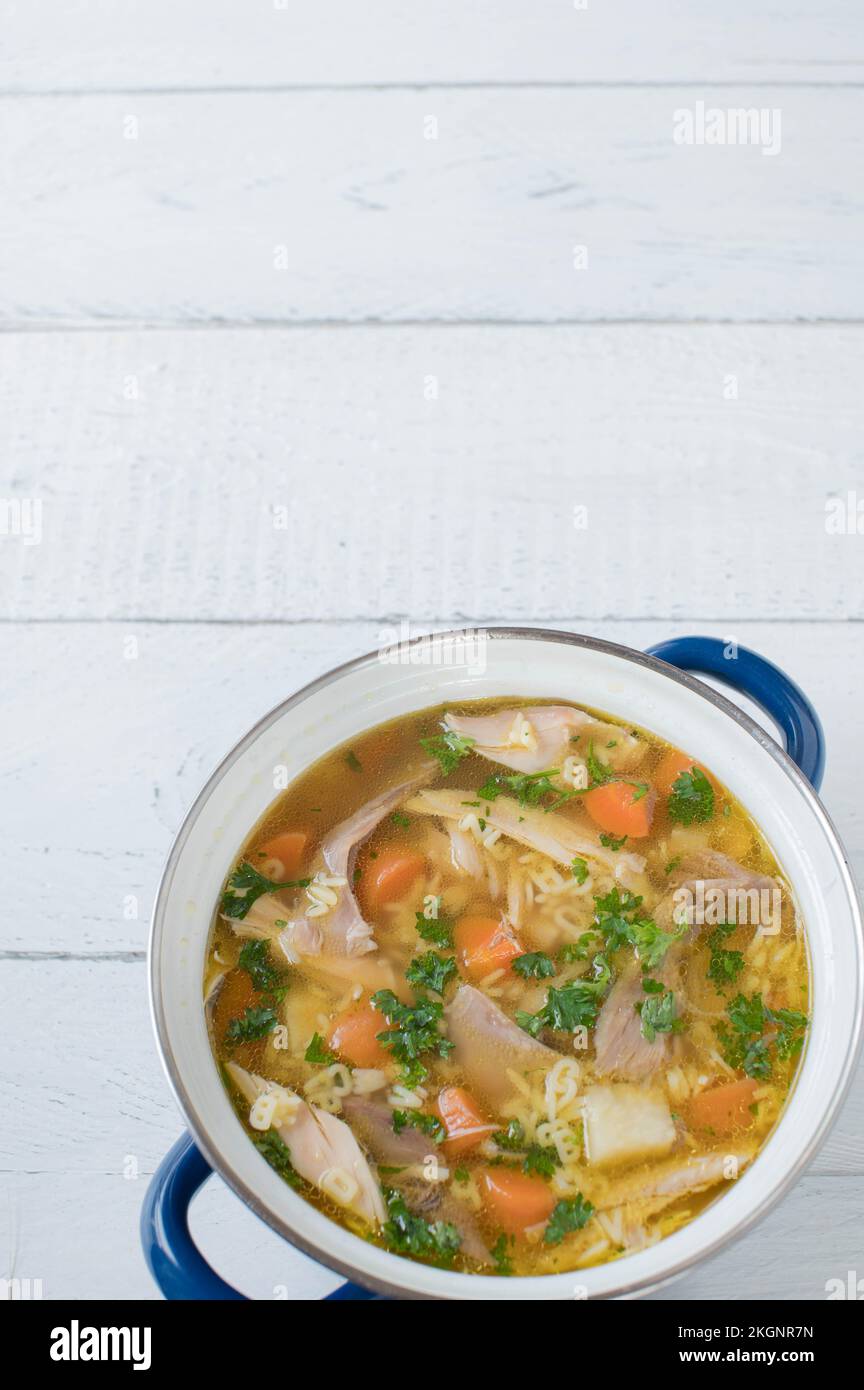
627,1288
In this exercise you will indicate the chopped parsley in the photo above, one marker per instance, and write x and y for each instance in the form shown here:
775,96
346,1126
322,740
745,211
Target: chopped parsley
255,1023
534,965
438,930
399,818
579,869
408,1234
658,1012
255,960
691,798
745,1042
574,1005
431,971
570,1214
278,1155
500,1255
673,864
353,761
598,772
449,748
415,1119
538,1160
614,842
317,1052
246,886
617,916
529,788
413,1030
576,950
724,966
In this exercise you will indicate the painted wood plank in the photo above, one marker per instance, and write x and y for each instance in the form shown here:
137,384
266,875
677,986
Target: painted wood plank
110,752
532,204
507,473
77,47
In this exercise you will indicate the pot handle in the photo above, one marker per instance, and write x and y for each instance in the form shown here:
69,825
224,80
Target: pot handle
764,683
174,1260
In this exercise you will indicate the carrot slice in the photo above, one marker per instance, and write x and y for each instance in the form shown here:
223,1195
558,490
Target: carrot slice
515,1201
484,944
723,1108
463,1120
288,848
621,809
353,1034
670,767
390,875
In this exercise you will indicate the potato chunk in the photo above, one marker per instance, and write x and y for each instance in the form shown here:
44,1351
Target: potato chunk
624,1123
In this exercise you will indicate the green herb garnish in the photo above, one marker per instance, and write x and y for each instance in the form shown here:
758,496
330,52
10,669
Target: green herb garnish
724,966
529,788
747,1046
574,1005
431,971
278,1155
614,842
438,930
408,1234
573,951
255,959
317,1052
246,886
413,1030
616,915
691,798
534,965
659,1013
538,1160
449,748
415,1119
598,772
500,1255
256,1023
570,1214
579,869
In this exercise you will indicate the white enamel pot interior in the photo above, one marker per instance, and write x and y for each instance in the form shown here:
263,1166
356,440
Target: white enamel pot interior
526,663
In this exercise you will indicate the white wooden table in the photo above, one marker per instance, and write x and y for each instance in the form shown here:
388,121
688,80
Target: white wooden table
321,316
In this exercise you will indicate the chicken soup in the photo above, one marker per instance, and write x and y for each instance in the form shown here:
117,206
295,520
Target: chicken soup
509,988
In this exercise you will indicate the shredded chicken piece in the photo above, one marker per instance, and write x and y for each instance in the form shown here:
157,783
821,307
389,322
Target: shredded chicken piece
545,831
676,1177
341,930
488,1043
538,738
322,1148
409,1150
